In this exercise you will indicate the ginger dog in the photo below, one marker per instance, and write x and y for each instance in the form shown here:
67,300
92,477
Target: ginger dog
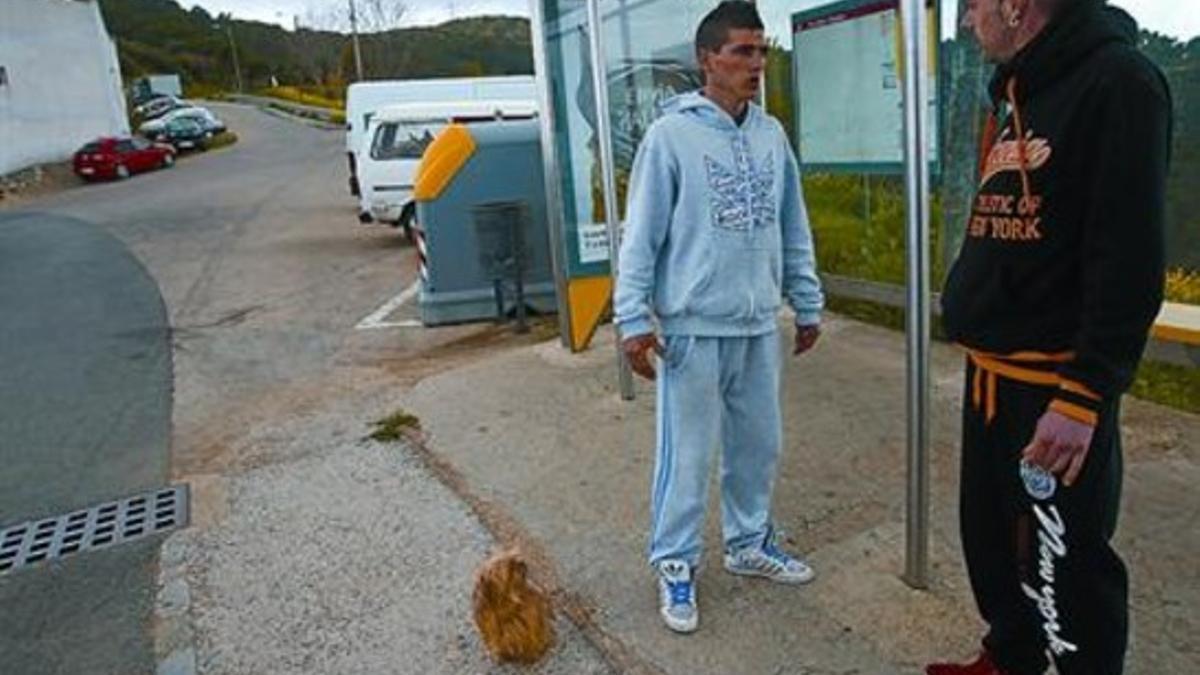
513,615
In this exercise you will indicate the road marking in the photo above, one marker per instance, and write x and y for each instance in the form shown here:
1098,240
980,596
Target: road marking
376,319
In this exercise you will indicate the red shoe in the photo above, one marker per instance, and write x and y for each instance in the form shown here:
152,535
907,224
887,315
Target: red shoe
981,666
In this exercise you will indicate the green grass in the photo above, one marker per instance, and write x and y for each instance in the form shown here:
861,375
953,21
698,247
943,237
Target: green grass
202,90
1168,384
307,96
221,140
394,427
859,226
1183,285
1163,383
867,312
865,240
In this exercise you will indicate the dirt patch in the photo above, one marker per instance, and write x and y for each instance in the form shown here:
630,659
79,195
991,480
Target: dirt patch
210,504
37,181
216,443
413,367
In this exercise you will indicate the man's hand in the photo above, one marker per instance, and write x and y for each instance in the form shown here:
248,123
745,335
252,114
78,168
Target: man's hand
637,350
1060,445
806,337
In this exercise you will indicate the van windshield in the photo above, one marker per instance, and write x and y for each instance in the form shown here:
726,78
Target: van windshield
404,140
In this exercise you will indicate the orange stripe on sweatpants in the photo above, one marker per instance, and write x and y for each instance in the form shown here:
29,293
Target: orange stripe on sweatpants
989,367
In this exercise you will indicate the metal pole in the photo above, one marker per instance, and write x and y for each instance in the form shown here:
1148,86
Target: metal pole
550,171
354,36
916,179
237,70
518,248
608,170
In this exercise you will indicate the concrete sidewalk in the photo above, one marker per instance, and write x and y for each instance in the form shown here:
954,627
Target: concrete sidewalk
330,554
540,445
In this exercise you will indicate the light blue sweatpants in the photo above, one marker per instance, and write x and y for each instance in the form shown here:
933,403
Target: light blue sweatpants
710,389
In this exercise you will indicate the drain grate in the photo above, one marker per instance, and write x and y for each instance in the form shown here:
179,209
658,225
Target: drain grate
94,528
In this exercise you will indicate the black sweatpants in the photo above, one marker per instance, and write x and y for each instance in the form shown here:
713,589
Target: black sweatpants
1044,575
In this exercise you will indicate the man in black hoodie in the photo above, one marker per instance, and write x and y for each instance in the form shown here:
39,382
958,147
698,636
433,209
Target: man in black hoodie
1053,294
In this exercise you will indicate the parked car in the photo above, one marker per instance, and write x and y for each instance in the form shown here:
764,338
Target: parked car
184,133
139,98
157,107
203,116
120,157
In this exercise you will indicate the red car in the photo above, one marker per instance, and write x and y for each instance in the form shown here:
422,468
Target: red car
121,157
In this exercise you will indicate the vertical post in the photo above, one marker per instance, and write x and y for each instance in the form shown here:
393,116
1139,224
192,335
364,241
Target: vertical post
916,179
237,70
607,169
550,168
517,231
354,37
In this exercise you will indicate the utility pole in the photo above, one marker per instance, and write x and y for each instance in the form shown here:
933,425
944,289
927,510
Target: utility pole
237,71
357,50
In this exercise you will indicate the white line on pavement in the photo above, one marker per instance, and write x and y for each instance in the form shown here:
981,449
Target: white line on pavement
376,319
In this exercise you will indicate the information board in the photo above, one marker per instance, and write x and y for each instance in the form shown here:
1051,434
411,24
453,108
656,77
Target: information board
847,62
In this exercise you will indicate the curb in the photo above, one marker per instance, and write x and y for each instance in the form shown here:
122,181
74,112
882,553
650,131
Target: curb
174,636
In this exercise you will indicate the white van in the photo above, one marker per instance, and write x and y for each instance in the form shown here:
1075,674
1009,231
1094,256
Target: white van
364,98
396,139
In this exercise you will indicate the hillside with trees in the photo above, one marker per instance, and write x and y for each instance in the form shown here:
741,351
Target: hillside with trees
160,36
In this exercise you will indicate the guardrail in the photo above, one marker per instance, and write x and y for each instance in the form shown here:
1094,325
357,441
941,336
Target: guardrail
1175,337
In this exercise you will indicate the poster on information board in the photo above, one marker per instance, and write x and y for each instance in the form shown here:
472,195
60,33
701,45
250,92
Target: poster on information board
847,61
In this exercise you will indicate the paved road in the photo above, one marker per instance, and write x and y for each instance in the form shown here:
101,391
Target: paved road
86,400
85,352
265,274
264,268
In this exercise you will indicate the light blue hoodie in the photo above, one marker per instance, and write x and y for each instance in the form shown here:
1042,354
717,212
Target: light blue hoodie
716,230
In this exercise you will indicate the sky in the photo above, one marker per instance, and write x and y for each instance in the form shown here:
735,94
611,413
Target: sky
1171,17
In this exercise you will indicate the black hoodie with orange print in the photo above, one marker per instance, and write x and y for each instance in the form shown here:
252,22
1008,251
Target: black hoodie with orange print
1060,275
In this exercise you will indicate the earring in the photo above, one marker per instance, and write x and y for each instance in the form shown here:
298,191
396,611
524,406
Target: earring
1014,20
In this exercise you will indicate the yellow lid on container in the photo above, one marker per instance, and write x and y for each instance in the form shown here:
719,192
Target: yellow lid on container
443,159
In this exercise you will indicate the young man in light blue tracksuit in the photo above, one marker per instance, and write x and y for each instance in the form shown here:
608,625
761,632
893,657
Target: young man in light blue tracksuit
716,237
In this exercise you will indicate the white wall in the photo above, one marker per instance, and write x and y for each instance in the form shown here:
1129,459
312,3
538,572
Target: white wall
64,81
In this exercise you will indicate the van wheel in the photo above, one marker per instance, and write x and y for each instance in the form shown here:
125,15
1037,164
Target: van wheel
407,215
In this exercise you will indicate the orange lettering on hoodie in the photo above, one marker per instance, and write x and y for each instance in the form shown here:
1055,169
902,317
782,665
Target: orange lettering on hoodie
1005,155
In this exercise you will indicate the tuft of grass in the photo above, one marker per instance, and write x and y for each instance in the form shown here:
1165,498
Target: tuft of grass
221,140
394,427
